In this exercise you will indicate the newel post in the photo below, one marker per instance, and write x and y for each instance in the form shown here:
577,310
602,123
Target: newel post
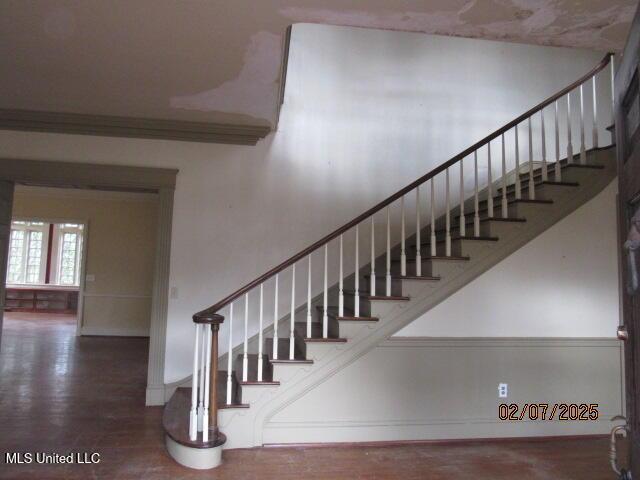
213,320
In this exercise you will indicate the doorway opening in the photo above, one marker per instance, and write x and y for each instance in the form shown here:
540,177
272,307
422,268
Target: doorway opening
45,266
82,255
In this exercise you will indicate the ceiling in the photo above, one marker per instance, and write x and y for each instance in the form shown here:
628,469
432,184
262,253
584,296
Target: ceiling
217,61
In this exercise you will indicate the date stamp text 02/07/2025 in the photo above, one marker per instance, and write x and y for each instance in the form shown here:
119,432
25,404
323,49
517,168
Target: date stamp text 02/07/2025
549,411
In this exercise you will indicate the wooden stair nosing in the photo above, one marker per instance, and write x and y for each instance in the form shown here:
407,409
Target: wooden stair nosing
288,361
407,277
481,238
470,223
365,296
428,258
225,406
324,340
357,319
513,201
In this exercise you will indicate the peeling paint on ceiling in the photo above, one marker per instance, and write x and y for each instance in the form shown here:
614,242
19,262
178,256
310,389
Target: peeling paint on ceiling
544,22
253,91
220,61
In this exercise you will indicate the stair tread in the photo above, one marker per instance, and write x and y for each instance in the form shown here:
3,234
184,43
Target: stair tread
349,314
407,277
524,185
357,319
316,333
437,257
481,238
366,296
512,201
224,406
252,371
469,222
288,360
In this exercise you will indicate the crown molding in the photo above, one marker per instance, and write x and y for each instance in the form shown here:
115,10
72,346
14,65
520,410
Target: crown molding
111,126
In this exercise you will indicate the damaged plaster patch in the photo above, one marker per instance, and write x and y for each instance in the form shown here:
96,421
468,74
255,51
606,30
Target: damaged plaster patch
253,92
529,21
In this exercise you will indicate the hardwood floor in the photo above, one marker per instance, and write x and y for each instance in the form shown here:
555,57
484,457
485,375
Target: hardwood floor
59,393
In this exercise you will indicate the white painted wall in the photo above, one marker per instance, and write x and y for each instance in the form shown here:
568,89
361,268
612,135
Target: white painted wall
563,283
365,113
444,388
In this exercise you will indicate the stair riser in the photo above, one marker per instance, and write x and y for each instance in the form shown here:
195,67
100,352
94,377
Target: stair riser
365,306
435,268
468,248
316,330
548,192
283,343
381,286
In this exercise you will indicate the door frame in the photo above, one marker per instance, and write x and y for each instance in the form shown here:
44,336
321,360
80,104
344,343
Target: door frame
161,181
628,70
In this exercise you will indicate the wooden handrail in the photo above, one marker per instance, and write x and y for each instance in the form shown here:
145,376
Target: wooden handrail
210,313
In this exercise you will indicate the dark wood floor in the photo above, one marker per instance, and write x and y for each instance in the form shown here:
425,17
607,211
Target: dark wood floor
59,393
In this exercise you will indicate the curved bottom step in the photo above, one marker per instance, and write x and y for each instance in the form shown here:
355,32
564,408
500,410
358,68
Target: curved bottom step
196,453
197,458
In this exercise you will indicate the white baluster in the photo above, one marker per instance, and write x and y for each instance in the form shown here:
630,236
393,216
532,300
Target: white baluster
293,312
193,414
373,259
356,293
275,319
569,145
532,192
388,289
583,150
595,113
558,168
504,205
245,355
203,357
260,341
403,253
341,284
447,217
476,216
545,175
207,384
489,183
309,299
325,301
517,182
418,240
230,355
432,207
463,226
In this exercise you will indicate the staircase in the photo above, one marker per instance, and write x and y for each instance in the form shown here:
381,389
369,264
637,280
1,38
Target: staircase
453,242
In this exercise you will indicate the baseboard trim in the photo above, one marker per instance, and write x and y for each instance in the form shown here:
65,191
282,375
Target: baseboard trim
448,441
113,332
155,395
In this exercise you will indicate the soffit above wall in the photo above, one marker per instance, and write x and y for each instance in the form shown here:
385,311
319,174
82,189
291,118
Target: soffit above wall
210,71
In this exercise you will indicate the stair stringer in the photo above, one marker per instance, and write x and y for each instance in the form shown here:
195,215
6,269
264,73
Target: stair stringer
245,428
